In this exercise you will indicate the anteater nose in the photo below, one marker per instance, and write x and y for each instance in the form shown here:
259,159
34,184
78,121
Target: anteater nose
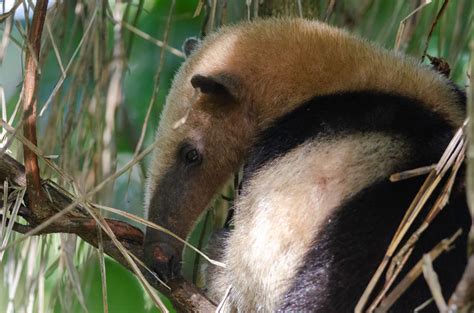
164,259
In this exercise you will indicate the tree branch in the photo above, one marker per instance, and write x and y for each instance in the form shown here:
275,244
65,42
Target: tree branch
30,87
462,298
184,295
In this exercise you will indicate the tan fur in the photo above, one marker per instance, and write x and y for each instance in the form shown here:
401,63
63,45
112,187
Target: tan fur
283,63
279,64
274,66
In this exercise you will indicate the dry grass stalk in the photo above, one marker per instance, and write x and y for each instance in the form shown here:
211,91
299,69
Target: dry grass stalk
453,155
401,28
433,283
147,223
6,206
412,173
414,273
41,277
113,100
329,10
462,300
103,275
127,255
14,269
8,14
439,204
422,306
433,25
185,295
7,232
89,53
13,131
159,43
156,85
55,47
68,250
71,60
6,37
224,301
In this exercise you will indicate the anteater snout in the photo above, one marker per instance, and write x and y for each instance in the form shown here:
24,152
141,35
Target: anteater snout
163,259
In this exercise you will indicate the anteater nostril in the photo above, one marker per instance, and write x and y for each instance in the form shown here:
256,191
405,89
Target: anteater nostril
164,259
161,253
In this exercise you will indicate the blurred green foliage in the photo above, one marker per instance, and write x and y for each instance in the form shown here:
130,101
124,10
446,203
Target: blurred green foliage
124,292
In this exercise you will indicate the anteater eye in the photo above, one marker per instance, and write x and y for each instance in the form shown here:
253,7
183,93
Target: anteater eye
192,156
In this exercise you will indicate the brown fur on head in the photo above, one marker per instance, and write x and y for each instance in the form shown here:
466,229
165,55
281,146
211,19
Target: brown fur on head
236,83
199,147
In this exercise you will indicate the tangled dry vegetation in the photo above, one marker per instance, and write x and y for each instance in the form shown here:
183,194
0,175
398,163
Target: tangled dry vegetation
90,43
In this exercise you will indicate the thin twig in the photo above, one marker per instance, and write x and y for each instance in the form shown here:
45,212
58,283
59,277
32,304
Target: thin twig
157,42
6,15
76,51
446,161
403,22
412,173
462,300
224,300
433,25
55,47
127,255
160,228
399,260
433,283
156,86
415,272
113,101
103,273
184,295
329,10
6,37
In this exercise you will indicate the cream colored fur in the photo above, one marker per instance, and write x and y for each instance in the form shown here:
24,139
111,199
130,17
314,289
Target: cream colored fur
289,201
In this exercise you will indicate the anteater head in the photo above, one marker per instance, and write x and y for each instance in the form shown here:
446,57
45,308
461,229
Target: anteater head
204,131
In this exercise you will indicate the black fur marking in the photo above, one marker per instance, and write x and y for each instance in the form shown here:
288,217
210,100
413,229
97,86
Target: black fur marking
190,45
208,85
342,260
353,112
223,88
346,253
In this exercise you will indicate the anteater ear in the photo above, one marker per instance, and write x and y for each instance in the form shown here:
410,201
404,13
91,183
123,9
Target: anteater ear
219,86
189,45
